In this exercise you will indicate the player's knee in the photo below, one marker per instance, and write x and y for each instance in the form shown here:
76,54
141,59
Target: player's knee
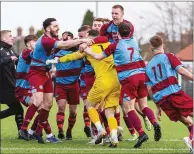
109,112
72,113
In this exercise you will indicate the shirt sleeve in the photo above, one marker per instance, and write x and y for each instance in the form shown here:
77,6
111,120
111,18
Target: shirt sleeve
175,63
110,49
147,80
101,39
103,30
48,44
71,57
26,55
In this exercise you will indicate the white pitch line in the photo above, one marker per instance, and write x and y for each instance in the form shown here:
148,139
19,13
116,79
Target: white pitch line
94,149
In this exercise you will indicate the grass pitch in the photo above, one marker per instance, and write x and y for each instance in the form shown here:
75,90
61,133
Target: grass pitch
171,142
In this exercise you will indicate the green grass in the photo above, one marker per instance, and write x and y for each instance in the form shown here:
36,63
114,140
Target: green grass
171,142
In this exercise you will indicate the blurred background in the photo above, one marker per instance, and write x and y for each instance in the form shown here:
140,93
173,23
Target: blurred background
171,20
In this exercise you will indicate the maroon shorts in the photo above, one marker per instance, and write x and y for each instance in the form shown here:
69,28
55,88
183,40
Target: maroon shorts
89,80
134,87
69,92
23,95
177,105
40,81
83,93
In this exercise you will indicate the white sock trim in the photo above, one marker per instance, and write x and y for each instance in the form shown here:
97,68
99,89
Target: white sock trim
49,135
30,131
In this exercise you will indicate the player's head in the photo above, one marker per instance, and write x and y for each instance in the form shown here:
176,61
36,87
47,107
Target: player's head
106,20
83,31
51,26
117,14
123,29
97,23
156,43
6,37
67,36
93,33
30,41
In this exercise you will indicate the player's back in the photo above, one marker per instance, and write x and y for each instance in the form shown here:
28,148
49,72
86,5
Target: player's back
22,69
105,67
162,77
127,59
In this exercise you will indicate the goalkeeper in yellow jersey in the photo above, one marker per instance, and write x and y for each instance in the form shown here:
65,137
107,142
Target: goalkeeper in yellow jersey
106,87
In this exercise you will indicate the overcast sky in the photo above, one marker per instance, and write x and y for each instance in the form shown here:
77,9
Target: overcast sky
70,14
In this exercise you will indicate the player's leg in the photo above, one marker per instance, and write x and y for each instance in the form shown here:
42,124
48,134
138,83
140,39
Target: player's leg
71,121
135,122
112,123
73,100
36,81
83,95
32,109
147,123
120,129
149,113
60,117
61,98
130,127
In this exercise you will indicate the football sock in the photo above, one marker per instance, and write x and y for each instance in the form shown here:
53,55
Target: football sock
60,121
149,113
134,120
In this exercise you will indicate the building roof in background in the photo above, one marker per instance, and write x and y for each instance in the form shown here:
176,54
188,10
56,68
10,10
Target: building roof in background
186,54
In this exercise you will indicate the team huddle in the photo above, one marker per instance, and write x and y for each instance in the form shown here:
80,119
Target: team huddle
105,69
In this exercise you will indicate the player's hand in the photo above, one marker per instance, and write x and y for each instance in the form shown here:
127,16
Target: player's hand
56,59
51,61
82,47
53,72
14,58
89,42
158,113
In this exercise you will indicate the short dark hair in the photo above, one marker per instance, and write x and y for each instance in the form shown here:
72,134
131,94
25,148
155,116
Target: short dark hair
93,32
106,20
156,41
99,19
68,33
124,29
29,38
118,6
47,22
84,28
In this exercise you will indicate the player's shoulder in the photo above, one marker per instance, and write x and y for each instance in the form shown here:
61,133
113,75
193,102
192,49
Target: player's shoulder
106,25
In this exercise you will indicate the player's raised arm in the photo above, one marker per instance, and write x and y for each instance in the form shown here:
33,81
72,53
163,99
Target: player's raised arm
71,43
177,65
186,73
107,52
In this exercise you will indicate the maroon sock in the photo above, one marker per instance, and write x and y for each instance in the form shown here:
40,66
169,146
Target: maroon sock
60,121
35,123
86,117
149,113
129,126
117,116
28,117
94,129
43,117
135,122
71,122
190,128
47,128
